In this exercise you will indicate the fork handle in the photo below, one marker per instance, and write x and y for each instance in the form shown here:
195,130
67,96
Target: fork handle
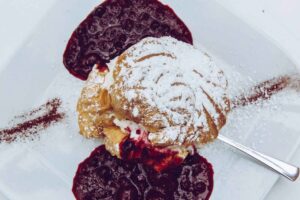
289,171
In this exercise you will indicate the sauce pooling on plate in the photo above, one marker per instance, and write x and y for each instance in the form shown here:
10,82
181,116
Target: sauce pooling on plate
102,176
116,25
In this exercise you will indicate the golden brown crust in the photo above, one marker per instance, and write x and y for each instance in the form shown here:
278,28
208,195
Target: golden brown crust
94,110
152,118
99,106
113,137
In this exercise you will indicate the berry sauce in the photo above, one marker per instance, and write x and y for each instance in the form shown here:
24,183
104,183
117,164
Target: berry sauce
103,176
115,25
142,151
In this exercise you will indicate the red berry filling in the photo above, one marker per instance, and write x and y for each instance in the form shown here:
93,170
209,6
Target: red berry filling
141,150
102,176
114,26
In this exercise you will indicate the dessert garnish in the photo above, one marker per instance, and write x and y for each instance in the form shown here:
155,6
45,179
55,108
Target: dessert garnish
103,176
268,88
29,124
114,26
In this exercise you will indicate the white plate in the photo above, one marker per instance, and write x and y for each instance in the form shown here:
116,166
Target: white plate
44,169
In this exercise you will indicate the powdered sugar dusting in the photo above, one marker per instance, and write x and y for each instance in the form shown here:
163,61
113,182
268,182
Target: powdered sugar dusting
135,112
178,80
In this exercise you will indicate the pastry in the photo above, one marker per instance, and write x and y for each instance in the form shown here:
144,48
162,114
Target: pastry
162,87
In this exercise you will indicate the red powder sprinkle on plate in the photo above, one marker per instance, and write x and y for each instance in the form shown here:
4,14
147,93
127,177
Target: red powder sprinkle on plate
267,89
29,124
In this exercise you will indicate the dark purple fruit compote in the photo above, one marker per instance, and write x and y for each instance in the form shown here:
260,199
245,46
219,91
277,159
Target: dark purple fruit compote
114,26
102,176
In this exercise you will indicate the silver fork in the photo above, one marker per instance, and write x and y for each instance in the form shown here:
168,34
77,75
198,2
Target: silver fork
289,171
